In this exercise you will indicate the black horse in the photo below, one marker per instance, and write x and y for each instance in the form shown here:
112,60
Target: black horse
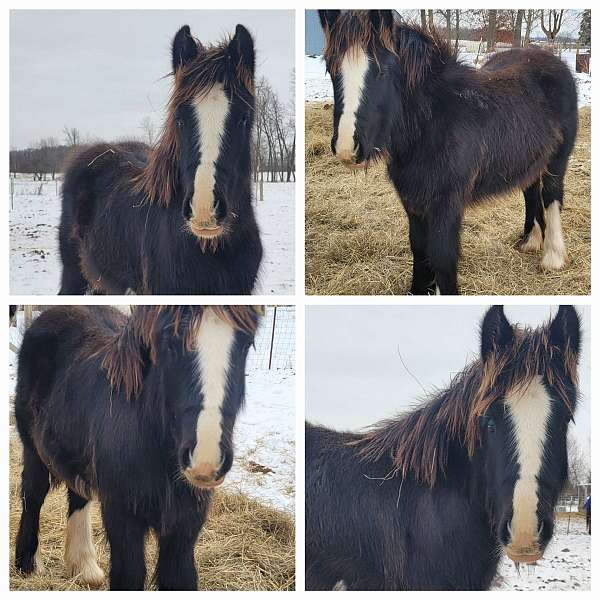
138,413
451,135
430,500
177,218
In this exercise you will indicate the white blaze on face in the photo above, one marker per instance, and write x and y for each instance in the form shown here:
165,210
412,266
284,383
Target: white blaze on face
213,346
211,111
530,411
353,70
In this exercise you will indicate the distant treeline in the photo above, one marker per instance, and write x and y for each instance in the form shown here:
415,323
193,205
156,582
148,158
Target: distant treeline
43,162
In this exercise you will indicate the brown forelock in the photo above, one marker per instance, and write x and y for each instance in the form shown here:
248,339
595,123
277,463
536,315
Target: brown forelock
123,354
353,29
419,442
159,178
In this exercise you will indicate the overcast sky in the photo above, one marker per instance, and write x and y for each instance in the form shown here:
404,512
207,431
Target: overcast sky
100,71
355,377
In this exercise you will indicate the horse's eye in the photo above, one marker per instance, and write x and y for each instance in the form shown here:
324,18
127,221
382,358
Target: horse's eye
244,121
491,425
179,124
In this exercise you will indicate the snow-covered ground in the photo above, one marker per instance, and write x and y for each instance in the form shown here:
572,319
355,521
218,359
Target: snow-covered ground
318,87
34,256
275,215
264,438
566,564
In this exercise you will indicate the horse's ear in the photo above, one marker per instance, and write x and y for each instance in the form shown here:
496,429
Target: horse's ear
328,18
496,332
565,330
241,49
184,48
382,21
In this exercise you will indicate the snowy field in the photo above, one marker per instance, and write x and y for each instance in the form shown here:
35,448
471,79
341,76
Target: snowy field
264,465
566,564
35,261
318,87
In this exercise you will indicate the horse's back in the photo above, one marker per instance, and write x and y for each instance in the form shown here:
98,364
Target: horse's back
533,64
51,347
93,171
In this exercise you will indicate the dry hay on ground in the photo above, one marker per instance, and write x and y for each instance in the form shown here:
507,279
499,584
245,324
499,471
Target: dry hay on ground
357,231
243,546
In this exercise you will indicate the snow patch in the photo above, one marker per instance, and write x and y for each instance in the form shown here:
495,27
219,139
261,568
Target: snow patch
35,265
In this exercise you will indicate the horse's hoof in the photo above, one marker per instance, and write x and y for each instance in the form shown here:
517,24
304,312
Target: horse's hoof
26,566
533,242
88,573
553,261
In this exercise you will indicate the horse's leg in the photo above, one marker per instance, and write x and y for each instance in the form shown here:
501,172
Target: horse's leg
443,249
176,569
533,236
423,281
555,254
80,554
316,578
72,280
125,536
35,483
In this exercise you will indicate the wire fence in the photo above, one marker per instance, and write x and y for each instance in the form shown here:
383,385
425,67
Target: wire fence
26,189
574,502
275,341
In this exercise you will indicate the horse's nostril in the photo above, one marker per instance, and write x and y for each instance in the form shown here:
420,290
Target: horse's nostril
505,533
185,456
220,208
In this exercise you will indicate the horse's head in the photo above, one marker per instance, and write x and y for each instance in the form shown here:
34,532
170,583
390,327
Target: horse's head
207,392
185,365
360,56
212,115
523,432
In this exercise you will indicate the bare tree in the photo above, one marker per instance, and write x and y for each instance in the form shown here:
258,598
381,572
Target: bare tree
578,465
50,156
423,18
447,15
148,130
517,29
430,22
530,18
457,13
274,143
491,30
551,21
72,136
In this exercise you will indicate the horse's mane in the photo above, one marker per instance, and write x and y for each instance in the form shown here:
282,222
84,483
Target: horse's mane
421,51
160,176
139,337
419,442
416,47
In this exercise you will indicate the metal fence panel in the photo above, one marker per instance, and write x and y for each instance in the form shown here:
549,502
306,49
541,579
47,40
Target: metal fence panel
275,340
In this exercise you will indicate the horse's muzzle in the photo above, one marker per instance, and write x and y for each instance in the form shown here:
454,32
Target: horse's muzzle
524,554
204,476
206,230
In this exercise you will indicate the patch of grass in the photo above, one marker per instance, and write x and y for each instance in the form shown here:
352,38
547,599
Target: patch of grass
244,545
357,231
